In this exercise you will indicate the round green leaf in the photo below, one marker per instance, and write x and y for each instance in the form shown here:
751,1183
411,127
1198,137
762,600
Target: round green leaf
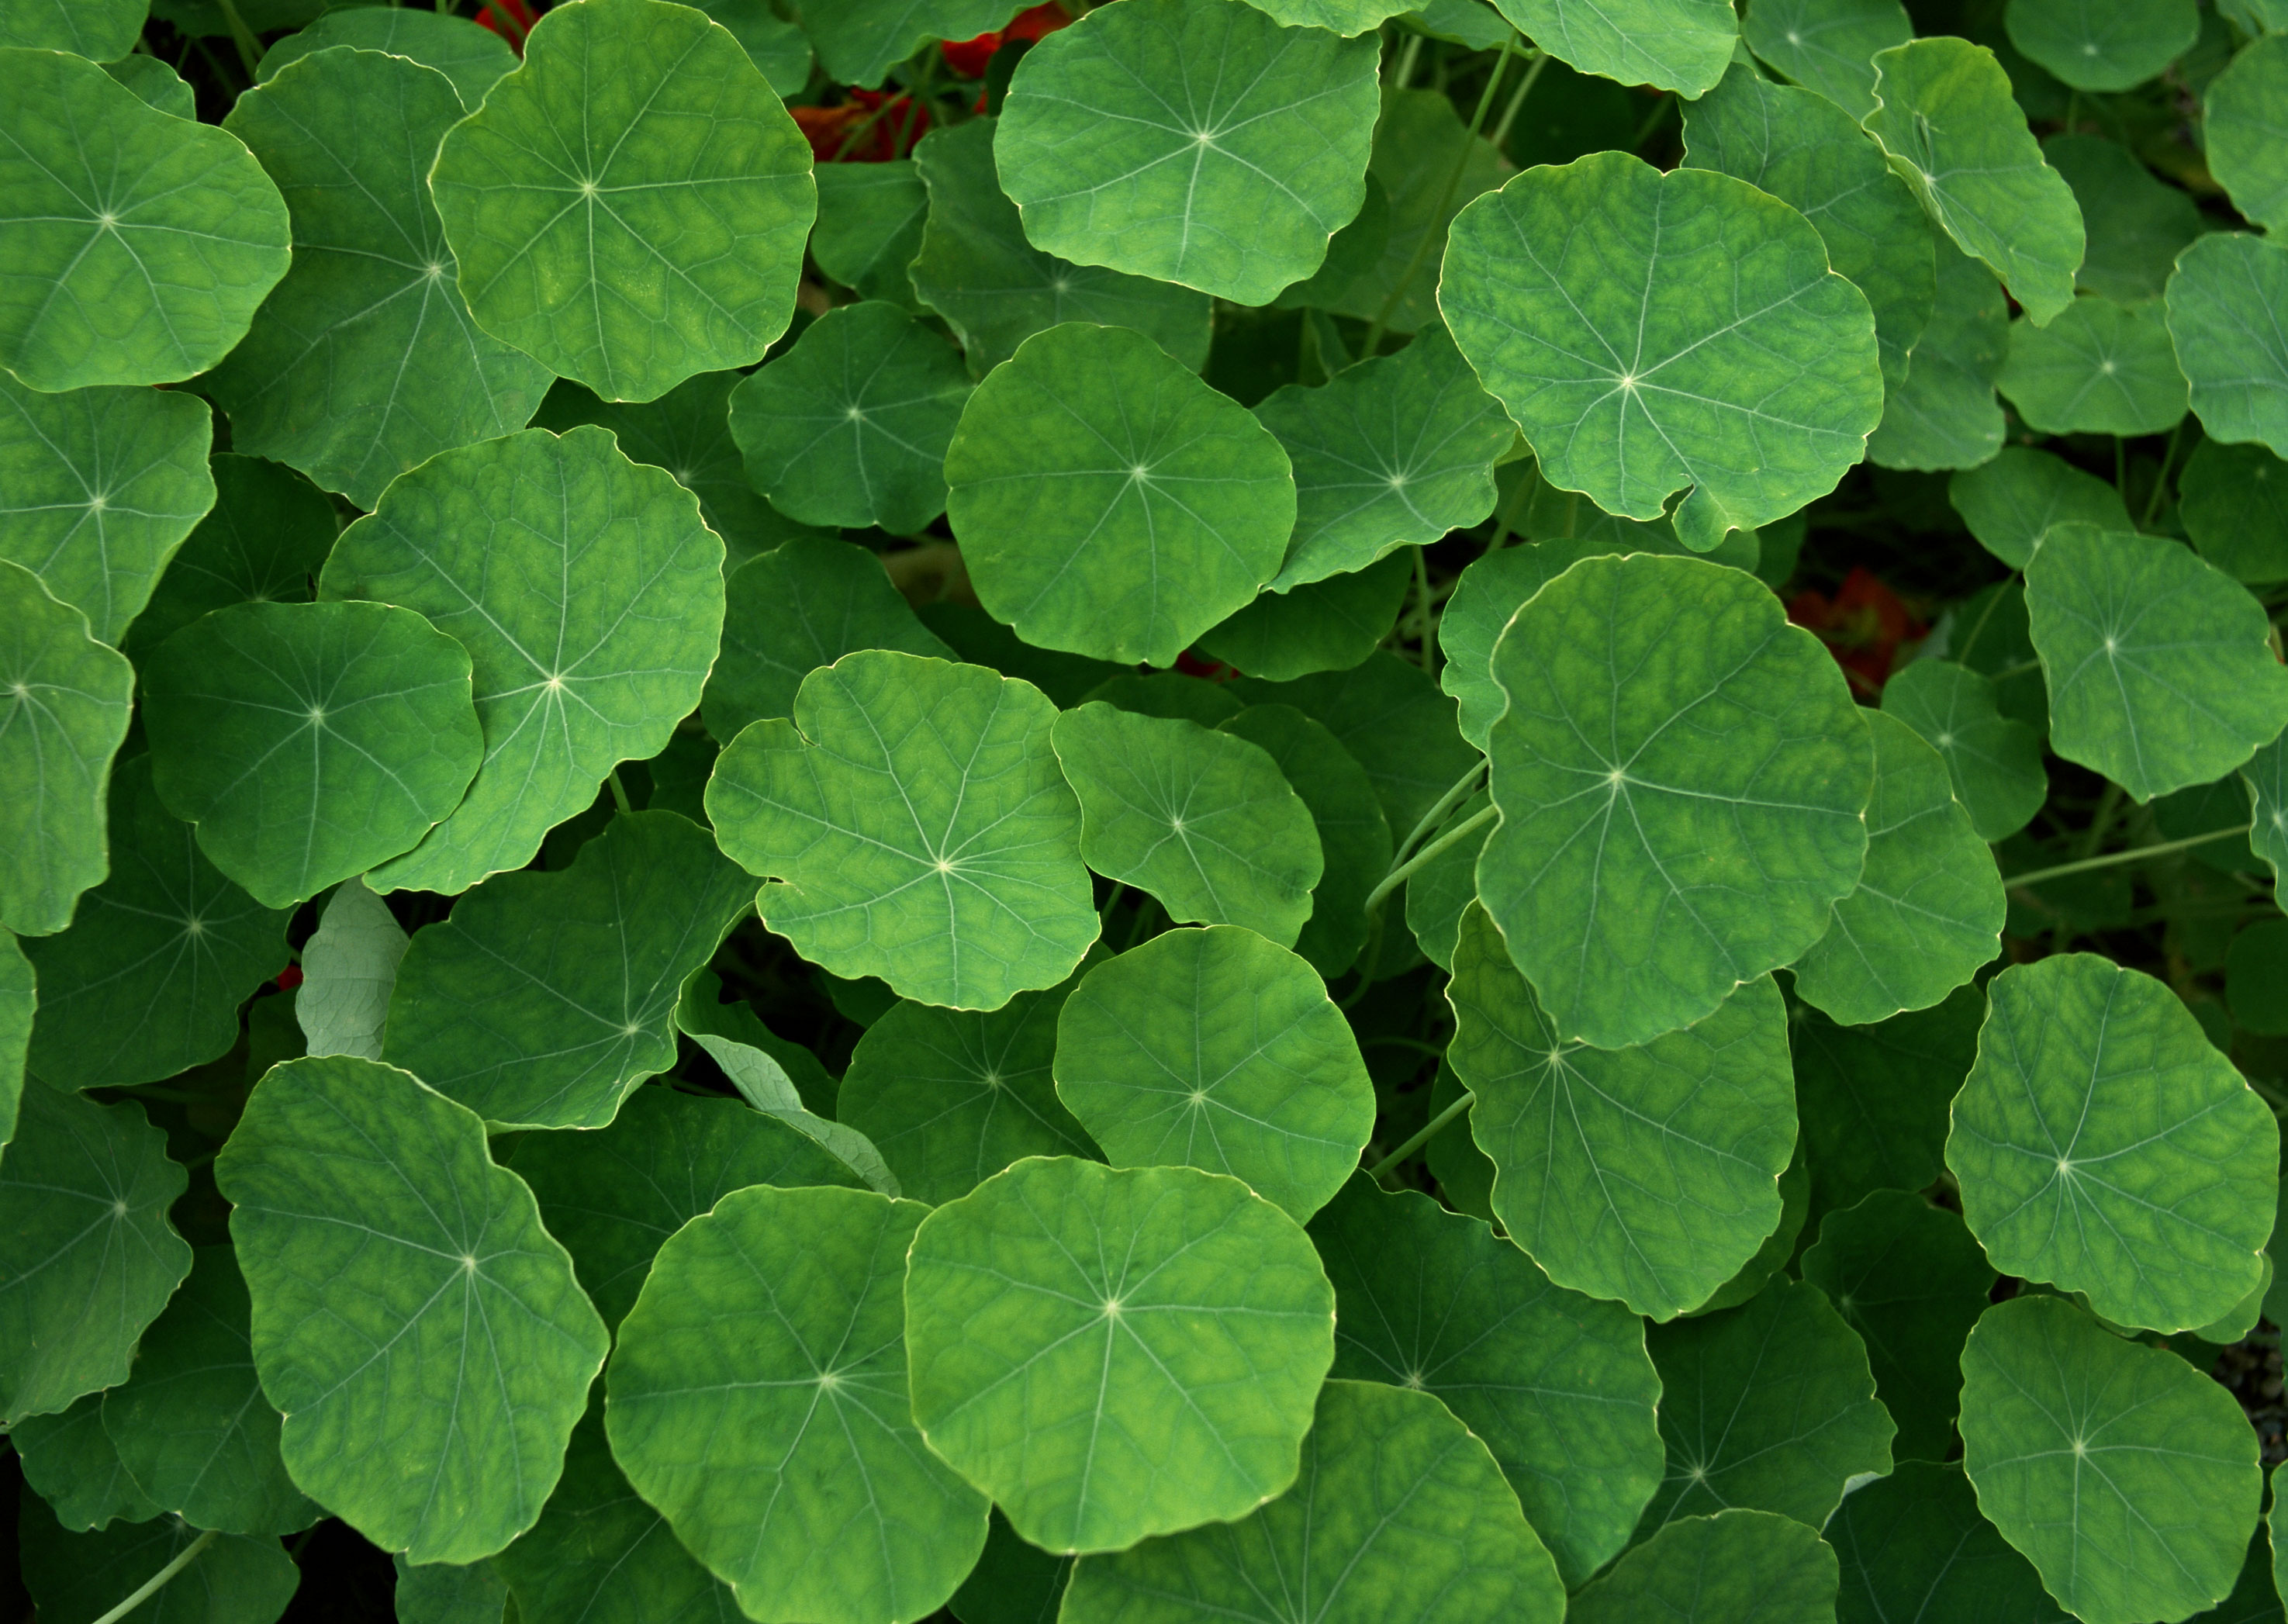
1329,625
263,541
1914,1544
97,29
1197,141
594,670
1345,17
473,58
913,826
858,44
1945,416
2127,1476
1682,776
1399,1512
1107,502
1827,45
1680,45
1995,762
79,1579
2097,368
628,207
2247,123
139,243
405,1291
1112,1354
1646,1175
870,225
67,1460
1735,1567
2136,224
2233,501
2224,302
2103,45
2012,503
1492,588
759,1399
1389,715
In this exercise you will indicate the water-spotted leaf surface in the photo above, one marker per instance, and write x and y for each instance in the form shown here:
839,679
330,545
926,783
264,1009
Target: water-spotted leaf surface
1954,135
1111,503
850,426
1215,1048
1196,141
976,268
913,825
858,44
2222,305
78,1579
1946,416
1202,819
1420,145
2097,45
1682,782
595,670
309,741
1355,837
1112,1354
2159,675
1655,333
1874,1098
473,57
2127,1476
68,1461
1827,45
1558,1386
420,1331
1649,1175
2106,1147
349,968
1329,625
2246,125
759,1399
1389,714
1913,1544
2098,368
1680,45
139,244
628,207
1399,1509
87,1255
2012,503
1994,761
364,362
264,541
1735,1567
148,980
97,29
870,226
2233,501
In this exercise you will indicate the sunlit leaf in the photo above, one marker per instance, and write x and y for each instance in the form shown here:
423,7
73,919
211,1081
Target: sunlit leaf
1827,45
97,29
1736,1565
1680,45
473,58
2223,302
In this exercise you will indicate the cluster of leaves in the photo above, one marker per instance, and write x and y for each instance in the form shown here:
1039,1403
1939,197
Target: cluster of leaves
1196,810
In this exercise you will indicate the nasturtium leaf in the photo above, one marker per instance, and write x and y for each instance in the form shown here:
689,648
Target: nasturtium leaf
99,30
2136,224
2233,501
1957,138
1355,838
1399,1511
1329,625
156,83
19,1003
2267,777
2127,1476
365,362
547,997
1778,1246
870,226
1681,777
1112,1354
1215,1048
1420,146
2103,45
759,1399
67,1460
594,671
1874,1098
1493,587
1735,1567
1107,502
264,541
1389,714
2246,122
1202,819
975,267
1945,415
1171,694
860,44
849,427
2159,674
913,825
2012,503
473,57
2098,368
2104,1146
87,1255
148,980
1197,141
1649,1175
422,1334
1558,1386
1443,889
2224,302
1996,762
628,207
1680,45
79,1579
139,243
1913,1545
1827,45
191,1424
766,1085
349,968
1655,333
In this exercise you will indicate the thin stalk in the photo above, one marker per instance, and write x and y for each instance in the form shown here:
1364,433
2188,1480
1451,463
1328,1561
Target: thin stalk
1435,1126
249,48
1397,877
1136,926
2133,854
1366,961
1408,54
1119,890
1517,99
1652,121
1510,510
152,1586
619,791
2161,480
1464,788
1962,655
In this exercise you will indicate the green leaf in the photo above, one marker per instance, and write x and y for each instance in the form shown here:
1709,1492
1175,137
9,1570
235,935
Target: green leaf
264,541
1946,416
2012,503
1827,45
850,426
570,681
349,968
365,362
1646,1175
1777,1247
759,1399
860,44
1399,1511
1957,140
97,29
2136,224
1735,1567
68,1461
1443,889
78,1579
156,83
1343,17
2097,368
1558,1386
1107,502
2246,122
148,980
139,243
1874,1098
2096,45
1389,715
995,289
630,225
2159,675
1204,821
766,1086
870,226
1913,1545
18,1001
1171,694
2223,301
914,824
1492,588
2128,1478
1329,625
2233,501
1680,45
1197,141
1680,777
1420,144
1996,763
473,58
2266,776
404,1289
1112,1353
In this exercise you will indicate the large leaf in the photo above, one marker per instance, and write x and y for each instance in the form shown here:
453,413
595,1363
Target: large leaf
1680,45
2247,123
1914,1541
264,541
1994,761
2012,503
1945,416
2098,368
1735,1567
2223,304
472,57
2096,45
1827,45
1874,1098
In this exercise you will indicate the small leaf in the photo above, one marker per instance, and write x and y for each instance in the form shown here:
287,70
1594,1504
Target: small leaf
1329,625
2013,501
2095,45
473,58
264,541
1735,1567
870,218
1874,1098
2233,501
2136,224
1914,1541
860,44
1946,416
68,1461
1680,45
2222,302
765,1086
1827,45
349,968
2097,368
1995,763
2244,125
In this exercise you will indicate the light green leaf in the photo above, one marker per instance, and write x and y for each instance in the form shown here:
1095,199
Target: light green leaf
870,226
1419,143
1112,1353
1203,821
2100,45
2247,123
404,1290
2136,224
1778,1247
2012,503
2224,302
1196,141
1957,140
2097,368
68,1461
1914,1544
1735,1567
2159,675
264,541
1111,503
2267,777
860,44
1329,625
1995,762
1646,1175
97,29
1827,45
2127,1476
1680,45
78,1579
2233,501
349,968
156,83
139,243
628,207
764,1085
473,58
596,671
1389,715
1946,416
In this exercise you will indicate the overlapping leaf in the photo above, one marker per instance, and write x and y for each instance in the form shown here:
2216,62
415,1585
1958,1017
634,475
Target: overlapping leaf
2222,302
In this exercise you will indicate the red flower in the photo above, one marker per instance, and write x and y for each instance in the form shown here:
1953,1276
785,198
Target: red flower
968,57
893,135
289,977
1862,625
511,19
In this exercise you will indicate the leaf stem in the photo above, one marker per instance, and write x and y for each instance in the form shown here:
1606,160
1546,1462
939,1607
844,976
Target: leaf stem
248,48
2161,478
151,1585
1408,54
2133,854
1464,788
1430,1131
619,791
1517,100
1397,875
1962,656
